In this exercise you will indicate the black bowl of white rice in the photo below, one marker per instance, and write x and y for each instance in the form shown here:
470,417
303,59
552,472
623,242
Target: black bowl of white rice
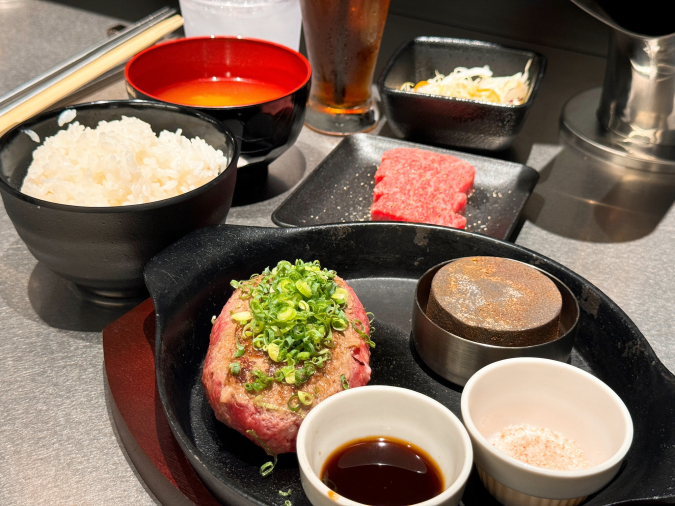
95,190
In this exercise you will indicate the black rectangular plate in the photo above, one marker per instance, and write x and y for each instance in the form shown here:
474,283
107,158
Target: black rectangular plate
340,189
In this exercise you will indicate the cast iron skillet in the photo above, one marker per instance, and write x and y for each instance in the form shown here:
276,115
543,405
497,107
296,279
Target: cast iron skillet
189,283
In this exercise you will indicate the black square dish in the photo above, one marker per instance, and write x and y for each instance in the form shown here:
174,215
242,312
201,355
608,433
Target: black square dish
455,121
340,189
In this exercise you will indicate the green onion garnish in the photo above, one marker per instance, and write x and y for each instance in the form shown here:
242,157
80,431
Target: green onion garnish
345,383
299,399
305,398
241,317
260,382
260,402
273,351
240,348
288,503
294,403
293,311
359,327
285,494
235,368
340,295
267,467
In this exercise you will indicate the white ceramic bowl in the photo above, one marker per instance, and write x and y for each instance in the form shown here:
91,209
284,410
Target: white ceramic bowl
383,411
553,395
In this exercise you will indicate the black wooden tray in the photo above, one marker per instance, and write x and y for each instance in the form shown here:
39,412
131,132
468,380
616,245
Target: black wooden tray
189,283
340,189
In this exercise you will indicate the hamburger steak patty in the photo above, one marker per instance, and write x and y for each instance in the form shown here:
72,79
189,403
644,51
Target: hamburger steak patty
266,412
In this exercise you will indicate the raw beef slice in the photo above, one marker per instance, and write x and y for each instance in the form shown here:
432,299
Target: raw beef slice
242,411
421,186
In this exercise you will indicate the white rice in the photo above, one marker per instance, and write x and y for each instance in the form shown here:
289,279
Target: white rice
66,117
119,163
34,136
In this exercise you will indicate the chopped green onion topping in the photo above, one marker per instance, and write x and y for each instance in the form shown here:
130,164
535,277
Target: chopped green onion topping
267,467
285,494
339,324
242,316
345,383
303,288
260,382
359,327
288,503
293,311
240,348
260,402
273,351
340,295
235,368
294,403
305,398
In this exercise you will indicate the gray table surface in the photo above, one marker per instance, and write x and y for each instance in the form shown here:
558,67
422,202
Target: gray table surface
58,445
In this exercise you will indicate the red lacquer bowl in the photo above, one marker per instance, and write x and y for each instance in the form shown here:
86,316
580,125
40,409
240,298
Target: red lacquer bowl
266,129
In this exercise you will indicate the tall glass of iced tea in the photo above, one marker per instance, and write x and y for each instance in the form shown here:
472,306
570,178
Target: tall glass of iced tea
343,38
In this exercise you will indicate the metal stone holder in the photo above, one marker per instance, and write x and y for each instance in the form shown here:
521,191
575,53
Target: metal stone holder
630,121
457,359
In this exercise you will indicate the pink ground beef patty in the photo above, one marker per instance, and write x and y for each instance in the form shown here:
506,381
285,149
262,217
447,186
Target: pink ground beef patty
238,409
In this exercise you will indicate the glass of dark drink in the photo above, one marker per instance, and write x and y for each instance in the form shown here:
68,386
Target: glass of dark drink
343,39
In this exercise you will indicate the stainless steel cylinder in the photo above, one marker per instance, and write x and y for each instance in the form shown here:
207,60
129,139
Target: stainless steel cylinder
457,359
638,94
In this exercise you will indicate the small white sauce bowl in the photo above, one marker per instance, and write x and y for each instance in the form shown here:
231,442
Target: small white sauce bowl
383,411
553,395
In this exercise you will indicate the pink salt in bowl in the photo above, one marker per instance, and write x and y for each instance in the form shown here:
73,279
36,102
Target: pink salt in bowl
545,394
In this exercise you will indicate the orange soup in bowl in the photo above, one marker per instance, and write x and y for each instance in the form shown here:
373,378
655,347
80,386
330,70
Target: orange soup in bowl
212,92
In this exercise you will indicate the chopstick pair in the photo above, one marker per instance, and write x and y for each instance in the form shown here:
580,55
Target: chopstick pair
57,83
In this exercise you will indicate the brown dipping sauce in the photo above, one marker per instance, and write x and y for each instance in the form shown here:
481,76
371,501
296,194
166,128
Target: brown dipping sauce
382,471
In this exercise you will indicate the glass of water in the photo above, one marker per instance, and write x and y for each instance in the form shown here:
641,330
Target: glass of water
273,20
